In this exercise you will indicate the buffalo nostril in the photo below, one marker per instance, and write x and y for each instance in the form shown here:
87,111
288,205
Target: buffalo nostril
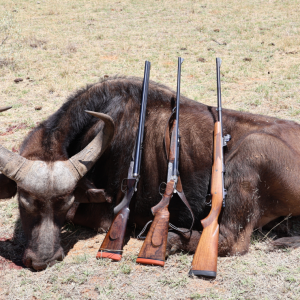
27,262
60,258
59,255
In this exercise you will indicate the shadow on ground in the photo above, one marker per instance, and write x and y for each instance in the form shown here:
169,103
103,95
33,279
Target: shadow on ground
78,240
12,247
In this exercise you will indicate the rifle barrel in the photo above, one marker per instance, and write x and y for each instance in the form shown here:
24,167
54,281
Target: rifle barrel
139,141
175,165
218,65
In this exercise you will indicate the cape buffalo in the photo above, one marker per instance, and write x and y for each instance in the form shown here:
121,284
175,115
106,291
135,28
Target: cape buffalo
73,156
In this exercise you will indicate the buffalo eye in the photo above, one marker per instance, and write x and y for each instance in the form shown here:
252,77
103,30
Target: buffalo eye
26,201
64,203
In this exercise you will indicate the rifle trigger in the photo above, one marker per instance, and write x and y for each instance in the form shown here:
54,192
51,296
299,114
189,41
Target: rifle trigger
224,192
224,195
124,186
226,139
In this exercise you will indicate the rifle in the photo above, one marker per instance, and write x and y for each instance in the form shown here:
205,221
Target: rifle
205,259
112,245
153,251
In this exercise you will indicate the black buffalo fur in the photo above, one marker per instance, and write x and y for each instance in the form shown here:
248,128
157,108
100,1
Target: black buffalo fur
262,159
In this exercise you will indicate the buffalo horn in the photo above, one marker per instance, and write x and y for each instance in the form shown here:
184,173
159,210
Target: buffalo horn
85,159
5,108
13,165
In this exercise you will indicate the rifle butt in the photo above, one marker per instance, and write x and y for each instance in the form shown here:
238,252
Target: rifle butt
205,259
112,245
153,251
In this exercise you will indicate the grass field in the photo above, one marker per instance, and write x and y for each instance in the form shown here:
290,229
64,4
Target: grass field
56,47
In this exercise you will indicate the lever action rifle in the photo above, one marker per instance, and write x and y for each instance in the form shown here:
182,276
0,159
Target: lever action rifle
205,258
153,251
112,246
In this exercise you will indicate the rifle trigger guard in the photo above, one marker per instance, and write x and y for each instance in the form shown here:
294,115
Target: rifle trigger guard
124,186
161,190
208,203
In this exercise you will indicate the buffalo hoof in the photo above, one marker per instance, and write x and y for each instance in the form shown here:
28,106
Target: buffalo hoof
172,243
293,242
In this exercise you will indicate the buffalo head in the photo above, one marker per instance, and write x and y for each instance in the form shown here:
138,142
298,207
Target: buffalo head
46,193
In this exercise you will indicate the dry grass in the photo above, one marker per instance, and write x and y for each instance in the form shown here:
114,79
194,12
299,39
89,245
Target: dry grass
263,273
58,46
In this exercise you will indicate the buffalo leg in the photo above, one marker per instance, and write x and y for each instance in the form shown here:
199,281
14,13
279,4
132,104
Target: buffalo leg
182,242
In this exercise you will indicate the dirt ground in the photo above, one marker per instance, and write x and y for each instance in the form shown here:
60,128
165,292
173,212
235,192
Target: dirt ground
49,49
263,273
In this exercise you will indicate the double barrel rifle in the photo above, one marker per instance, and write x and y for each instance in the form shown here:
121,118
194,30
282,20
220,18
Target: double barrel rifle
112,245
153,251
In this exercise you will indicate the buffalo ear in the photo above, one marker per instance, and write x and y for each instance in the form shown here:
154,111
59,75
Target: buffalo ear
86,192
8,187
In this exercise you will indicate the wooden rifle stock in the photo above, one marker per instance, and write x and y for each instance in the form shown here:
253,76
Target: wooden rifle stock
206,255
153,251
112,245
